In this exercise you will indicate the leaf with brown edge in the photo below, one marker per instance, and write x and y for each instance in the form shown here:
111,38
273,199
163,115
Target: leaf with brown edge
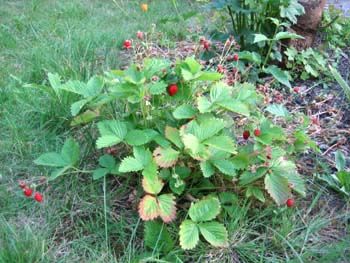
148,208
165,158
151,183
167,208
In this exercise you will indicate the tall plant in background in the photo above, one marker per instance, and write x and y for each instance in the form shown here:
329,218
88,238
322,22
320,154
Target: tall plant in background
248,17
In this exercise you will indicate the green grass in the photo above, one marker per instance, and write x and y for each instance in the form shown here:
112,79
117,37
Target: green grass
76,39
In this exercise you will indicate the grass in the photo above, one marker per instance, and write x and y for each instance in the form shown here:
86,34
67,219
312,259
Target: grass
77,39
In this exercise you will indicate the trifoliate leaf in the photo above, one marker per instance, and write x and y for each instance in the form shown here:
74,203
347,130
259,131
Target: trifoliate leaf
215,233
165,157
148,208
189,234
205,210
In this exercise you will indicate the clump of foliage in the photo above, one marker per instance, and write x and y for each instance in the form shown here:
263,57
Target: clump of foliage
248,18
194,144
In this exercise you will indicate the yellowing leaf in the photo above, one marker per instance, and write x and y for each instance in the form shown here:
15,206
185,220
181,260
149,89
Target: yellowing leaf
167,208
148,208
165,158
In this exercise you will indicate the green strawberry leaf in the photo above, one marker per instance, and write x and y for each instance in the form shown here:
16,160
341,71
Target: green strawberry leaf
215,233
185,111
112,133
277,187
189,234
157,237
130,164
165,157
205,210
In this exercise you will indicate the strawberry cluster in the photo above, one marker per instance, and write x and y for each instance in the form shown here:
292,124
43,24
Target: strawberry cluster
28,192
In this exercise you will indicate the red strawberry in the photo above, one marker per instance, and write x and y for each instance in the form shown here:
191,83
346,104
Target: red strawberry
221,68
127,44
235,57
22,184
27,192
38,197
257,132
290,202
206,44
296,89
172,89
246,135
139,34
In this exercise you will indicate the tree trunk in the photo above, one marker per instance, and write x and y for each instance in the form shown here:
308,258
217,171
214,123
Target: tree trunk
308,23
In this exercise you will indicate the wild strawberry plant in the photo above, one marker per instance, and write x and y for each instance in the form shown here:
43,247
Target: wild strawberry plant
194,142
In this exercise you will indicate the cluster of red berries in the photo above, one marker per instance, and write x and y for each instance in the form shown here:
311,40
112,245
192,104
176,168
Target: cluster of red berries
246,134
205,43
28,192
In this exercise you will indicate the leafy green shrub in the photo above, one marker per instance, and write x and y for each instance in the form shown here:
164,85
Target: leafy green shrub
248,18
177,130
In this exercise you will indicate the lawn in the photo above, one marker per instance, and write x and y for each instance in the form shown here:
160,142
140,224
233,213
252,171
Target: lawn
86,220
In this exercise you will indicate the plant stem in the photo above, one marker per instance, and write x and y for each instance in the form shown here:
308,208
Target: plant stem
272,42
105,211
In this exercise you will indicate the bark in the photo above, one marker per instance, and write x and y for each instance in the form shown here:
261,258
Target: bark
308,23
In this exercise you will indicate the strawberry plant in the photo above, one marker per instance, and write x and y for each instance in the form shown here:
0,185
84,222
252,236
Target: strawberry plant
178,131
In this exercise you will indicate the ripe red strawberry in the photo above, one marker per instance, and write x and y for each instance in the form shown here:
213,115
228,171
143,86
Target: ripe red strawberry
38,197
172,89
206,44
22,184
296,89
139,34
27,192
221,68
290,202
246,135
127,44
257,132
235,57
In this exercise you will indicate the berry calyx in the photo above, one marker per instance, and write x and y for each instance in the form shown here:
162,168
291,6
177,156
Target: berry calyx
127,44
27,192
235,57
172,89
246,135
257,132
22,184
290,202
38,197
139,34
